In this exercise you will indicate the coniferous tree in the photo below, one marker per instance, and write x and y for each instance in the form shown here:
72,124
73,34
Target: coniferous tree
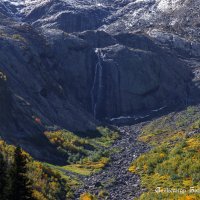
21,185
3,177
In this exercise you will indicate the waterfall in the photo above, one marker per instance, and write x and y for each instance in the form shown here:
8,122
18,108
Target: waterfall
97,83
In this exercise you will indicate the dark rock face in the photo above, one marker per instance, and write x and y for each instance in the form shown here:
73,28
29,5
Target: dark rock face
25,61
131,79
72,18
120,74
38,91
5,99
77,61
69,62
97,39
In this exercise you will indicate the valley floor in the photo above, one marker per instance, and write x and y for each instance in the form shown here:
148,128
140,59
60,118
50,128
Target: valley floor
135,168
115,181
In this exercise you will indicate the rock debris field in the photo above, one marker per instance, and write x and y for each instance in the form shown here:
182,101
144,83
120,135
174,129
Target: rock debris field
115,177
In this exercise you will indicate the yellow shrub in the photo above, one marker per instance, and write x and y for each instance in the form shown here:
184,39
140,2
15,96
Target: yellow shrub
86,196
188,197
187,182
145,167
162,155
39,196
193,143
132,169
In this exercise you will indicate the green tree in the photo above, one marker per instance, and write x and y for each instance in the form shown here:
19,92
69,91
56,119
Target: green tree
3,177
21,185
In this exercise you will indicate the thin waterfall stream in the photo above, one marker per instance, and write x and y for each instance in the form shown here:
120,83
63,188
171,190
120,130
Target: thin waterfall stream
97,83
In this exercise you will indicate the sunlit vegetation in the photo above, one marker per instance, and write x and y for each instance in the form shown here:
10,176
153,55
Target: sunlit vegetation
84,155
72,181
174,161
87,196
16,37
103,194
87,167
171,125
46,183
107,138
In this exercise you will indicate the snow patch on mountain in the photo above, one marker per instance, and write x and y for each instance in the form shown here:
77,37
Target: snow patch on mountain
112,16
168,5
143,9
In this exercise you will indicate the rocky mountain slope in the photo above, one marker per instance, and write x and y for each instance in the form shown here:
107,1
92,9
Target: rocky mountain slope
70,64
